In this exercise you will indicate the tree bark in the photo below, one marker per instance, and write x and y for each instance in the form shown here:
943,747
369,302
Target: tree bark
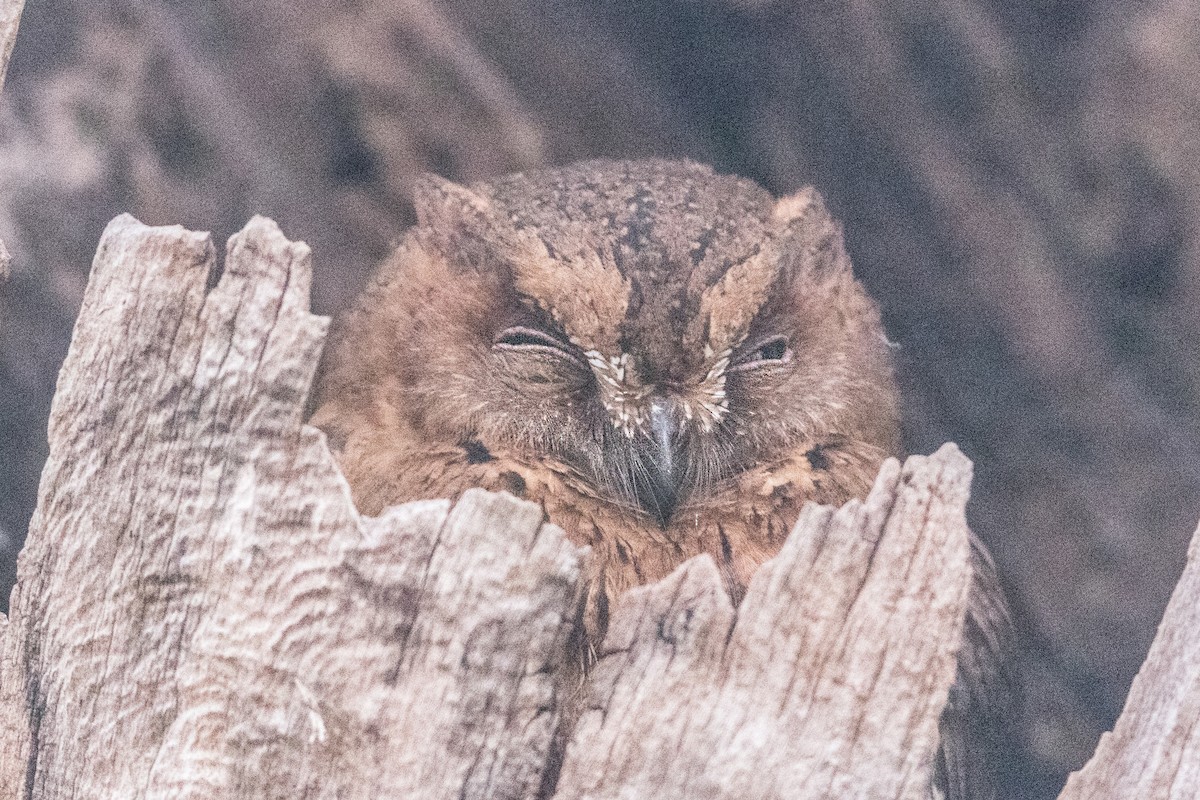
200,611
1154,751
10,16
827,681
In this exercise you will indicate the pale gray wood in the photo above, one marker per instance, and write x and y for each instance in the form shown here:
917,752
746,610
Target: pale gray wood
200,611
827,682
1153,753
10,16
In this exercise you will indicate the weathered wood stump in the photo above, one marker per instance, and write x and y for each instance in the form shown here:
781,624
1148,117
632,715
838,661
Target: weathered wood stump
10,16
201,612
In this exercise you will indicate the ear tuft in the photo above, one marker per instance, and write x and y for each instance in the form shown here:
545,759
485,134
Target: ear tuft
807,239
794,206
445,205
454,220
803,206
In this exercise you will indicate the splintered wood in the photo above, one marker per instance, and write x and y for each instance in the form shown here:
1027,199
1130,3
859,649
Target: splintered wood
1153,753
10,16
201,613
826,682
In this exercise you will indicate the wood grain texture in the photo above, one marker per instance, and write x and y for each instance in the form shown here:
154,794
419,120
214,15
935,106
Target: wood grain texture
200,611
1153,753
950,135
826,682
10,16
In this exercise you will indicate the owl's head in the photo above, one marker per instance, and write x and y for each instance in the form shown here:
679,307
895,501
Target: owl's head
651,327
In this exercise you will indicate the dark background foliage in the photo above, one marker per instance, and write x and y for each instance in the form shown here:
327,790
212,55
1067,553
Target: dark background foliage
1019,183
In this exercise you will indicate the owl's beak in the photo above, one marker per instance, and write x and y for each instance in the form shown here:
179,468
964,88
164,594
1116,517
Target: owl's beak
665,459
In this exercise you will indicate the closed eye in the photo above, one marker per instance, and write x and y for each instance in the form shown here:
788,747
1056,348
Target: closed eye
532,340
771,351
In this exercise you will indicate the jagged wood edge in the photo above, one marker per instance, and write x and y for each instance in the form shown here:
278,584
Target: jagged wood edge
200,612
827,682
10,18
179,468
1153,752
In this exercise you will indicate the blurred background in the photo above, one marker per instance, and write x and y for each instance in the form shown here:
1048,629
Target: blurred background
1019,183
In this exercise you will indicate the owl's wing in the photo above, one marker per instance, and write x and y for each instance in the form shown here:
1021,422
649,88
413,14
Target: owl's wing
980,699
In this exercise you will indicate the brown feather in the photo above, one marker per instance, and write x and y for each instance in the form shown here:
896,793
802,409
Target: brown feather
670,361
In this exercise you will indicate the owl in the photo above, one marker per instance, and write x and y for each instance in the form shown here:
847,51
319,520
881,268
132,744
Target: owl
670,361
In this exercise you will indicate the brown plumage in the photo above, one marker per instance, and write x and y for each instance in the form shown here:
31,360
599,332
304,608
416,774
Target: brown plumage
670,361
